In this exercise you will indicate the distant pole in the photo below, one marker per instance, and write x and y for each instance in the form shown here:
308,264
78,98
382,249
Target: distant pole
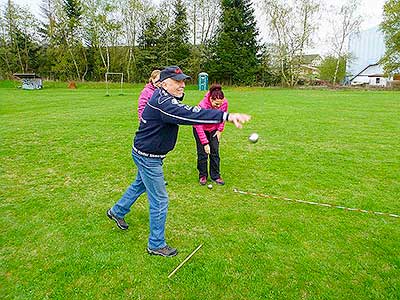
122,81
107,94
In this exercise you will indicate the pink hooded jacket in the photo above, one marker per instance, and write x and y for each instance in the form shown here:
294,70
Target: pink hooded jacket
206,103
144,97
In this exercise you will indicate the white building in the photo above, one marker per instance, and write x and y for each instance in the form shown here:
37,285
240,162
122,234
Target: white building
30,81
371,75
366,48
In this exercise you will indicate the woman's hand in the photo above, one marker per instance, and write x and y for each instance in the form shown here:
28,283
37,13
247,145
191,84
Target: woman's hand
207,148
218,135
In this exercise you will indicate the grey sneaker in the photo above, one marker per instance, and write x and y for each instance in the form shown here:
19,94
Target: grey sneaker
120,222
167,251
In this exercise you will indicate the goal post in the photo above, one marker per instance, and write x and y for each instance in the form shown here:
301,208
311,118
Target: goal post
110,75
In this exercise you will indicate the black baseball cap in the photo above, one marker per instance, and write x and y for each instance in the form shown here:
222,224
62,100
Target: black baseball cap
173,72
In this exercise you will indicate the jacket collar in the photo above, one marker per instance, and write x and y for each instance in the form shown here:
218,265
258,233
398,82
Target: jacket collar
165,93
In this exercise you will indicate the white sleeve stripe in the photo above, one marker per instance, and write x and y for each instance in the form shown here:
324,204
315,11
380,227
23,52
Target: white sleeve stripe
184,119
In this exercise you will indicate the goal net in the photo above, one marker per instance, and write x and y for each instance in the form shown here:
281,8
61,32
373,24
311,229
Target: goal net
114,78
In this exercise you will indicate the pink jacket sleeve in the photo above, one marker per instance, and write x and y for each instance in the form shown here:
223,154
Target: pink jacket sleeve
224,108
144,97
199,128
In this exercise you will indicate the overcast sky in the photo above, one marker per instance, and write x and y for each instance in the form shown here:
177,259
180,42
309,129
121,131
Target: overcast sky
371,10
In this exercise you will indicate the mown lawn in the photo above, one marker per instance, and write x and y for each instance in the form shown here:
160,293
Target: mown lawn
65,159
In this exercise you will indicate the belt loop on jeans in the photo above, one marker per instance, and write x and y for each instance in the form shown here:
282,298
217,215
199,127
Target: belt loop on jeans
147,154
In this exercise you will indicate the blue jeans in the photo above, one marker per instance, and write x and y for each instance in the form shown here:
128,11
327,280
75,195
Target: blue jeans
150,179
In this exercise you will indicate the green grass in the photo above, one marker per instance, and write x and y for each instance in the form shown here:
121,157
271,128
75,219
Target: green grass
65,159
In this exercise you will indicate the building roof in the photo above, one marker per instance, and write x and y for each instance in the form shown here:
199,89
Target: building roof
372,65
26,75
376,75
310,68
309,59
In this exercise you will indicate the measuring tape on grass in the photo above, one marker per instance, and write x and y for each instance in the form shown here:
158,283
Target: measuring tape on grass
318,204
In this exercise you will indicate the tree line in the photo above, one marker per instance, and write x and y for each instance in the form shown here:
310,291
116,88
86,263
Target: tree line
82,40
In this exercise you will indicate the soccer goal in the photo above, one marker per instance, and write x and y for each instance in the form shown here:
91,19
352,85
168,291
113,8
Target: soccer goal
109,79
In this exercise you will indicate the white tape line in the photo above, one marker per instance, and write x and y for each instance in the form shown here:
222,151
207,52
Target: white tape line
316,203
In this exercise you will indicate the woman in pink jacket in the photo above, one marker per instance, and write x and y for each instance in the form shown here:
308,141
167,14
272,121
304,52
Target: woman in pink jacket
148,91
208,136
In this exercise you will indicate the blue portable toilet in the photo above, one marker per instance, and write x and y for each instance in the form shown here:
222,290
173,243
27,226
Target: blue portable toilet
203,81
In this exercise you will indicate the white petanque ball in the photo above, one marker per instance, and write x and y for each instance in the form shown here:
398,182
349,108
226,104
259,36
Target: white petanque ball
253,137
209,186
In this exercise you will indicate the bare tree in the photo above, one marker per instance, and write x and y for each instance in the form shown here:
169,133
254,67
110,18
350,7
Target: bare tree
104,27
47,8
68,16
134,14
192,10
203,19
344,21
291,25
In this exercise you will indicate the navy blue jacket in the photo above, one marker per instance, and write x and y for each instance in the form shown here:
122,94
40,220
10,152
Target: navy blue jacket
158,129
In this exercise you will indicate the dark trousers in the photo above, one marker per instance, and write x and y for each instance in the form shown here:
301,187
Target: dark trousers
202,156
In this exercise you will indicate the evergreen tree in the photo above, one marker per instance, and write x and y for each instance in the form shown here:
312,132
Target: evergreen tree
150,46
73,11
48,38
235,46
69,52
269,74
174,38
179,33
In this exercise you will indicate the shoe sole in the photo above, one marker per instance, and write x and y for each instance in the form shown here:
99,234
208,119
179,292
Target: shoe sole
115,219
219,183
151,252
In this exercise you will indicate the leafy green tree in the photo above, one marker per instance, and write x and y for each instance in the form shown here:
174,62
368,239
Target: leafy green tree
391,27
197,61
19,51
235,46
332,69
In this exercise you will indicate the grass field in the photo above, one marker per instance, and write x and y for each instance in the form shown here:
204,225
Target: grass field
65,159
